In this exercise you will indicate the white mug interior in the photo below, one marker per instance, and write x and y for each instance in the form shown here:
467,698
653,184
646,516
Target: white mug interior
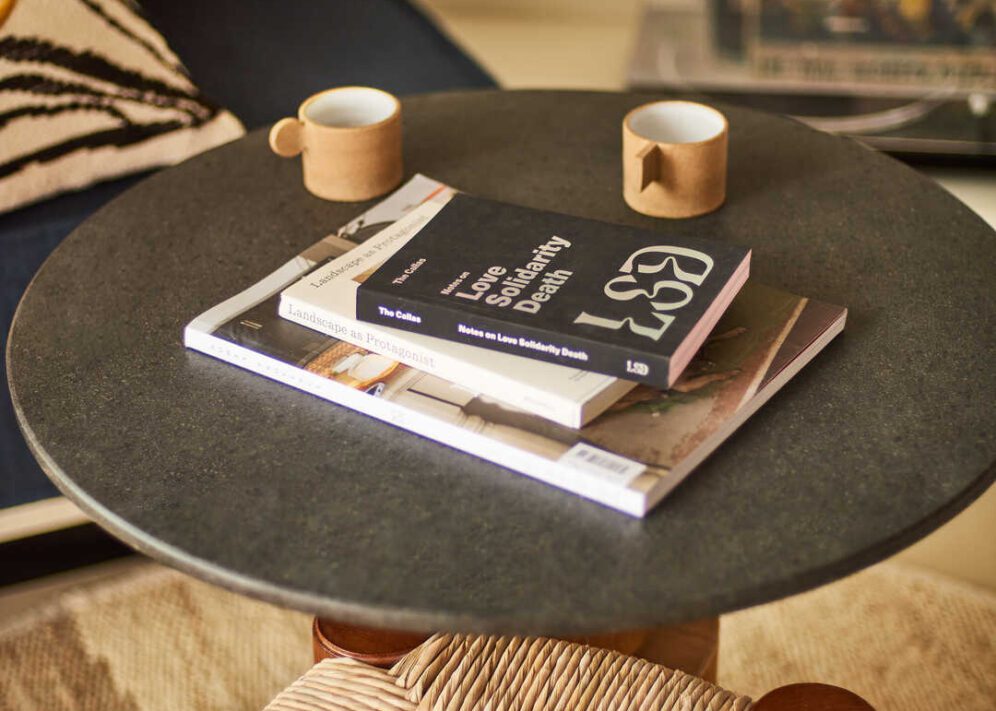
350,107
677,122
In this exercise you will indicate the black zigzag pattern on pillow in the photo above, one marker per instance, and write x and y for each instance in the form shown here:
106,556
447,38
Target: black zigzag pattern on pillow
99,85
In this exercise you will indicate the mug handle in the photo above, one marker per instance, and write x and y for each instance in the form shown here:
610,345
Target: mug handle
649,158
287,137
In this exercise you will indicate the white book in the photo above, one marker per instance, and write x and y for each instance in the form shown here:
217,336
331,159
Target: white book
325,300
629,458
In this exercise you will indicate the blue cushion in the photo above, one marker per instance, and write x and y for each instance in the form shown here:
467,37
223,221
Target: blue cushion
259,58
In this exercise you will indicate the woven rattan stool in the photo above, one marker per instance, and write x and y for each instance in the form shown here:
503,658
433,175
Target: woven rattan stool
464,672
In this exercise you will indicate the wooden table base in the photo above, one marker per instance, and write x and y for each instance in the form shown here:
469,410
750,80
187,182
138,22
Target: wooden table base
377,647
812,697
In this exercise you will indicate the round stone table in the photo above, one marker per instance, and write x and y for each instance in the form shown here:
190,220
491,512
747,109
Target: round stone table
280,495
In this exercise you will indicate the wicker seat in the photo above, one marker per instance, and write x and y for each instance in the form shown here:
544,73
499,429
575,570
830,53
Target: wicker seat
463,672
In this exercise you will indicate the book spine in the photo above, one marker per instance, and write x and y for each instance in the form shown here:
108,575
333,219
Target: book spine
431,319
568,474
465,373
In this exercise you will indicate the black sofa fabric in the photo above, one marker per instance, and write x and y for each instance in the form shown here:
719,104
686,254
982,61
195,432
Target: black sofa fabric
258,58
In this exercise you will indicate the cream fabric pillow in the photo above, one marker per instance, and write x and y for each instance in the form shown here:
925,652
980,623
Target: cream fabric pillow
90,91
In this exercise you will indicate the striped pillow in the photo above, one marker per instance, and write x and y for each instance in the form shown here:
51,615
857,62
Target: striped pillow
90,91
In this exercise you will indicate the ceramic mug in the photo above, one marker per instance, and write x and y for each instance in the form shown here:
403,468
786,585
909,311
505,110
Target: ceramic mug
674,159
349,139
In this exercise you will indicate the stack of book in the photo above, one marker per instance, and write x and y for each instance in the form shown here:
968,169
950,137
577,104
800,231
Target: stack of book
605,360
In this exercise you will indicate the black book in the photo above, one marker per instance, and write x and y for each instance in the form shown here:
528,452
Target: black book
628,302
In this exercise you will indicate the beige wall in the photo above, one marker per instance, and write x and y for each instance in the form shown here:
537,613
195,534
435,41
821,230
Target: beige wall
586,44
552,8
965,547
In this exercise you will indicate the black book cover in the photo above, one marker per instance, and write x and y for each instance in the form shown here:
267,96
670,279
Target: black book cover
619,300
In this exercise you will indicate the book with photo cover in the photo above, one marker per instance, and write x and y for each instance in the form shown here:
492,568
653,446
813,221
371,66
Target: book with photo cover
567,395
627,302
628,458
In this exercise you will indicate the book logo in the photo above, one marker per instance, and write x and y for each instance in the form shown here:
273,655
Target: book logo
681,269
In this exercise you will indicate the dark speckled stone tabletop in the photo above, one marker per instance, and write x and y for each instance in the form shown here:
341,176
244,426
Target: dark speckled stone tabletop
277,494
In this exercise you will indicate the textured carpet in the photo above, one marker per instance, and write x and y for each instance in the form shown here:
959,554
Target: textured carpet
152,639
900,637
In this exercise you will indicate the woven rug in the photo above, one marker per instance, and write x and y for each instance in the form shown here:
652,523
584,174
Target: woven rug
153,639
901,637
